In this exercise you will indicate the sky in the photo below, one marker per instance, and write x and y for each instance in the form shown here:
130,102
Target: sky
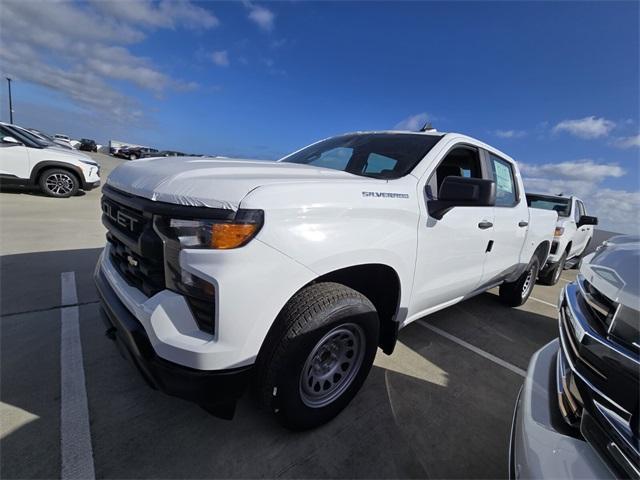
553,84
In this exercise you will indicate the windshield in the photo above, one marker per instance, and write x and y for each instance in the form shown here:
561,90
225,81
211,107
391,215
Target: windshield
545,202
27,137
377,155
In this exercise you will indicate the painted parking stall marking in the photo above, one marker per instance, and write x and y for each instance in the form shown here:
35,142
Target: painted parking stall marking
473,348
75,435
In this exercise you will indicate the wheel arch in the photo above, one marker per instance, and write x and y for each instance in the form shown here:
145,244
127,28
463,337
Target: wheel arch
542,252
40,167
378,282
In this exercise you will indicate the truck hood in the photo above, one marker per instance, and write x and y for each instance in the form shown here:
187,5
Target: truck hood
211,182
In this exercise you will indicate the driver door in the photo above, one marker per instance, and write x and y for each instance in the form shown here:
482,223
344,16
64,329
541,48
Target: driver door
451,251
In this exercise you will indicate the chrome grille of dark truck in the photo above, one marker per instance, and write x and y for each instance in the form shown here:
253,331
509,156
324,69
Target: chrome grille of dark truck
598,387
136,249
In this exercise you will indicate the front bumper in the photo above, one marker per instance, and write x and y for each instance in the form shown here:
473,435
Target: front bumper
539,449
90,185
217,390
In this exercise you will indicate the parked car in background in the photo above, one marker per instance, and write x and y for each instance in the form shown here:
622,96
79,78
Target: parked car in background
365,232
45,137
63,140
165,153
25,159
577,414
88,145
133,153
573,234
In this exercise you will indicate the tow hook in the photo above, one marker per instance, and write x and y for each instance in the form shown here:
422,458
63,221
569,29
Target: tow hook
111,333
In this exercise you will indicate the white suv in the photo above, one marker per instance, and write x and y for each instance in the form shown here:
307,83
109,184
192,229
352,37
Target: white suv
26,159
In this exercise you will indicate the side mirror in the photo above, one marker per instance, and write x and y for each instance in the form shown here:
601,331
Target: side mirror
587,220
9,139
462,192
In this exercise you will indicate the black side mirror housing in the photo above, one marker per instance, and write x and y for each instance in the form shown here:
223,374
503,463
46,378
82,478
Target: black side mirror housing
587,220
462,192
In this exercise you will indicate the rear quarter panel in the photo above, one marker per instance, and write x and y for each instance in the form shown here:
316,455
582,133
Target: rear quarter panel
542,225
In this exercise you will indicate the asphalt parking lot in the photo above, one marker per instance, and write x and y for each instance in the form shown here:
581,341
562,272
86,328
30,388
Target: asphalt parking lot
440,406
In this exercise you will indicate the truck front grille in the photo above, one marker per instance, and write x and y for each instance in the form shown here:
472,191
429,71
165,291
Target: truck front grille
146,274
136,250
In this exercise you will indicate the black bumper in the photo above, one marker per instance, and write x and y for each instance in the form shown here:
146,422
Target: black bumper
217,391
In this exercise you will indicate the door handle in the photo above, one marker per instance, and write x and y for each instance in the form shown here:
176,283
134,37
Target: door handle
522,223
484,225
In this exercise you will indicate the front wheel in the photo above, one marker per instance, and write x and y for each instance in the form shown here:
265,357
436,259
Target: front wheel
59,183
133,157
318,355
517,293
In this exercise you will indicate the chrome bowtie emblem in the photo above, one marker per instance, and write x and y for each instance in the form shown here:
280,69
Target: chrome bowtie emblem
132,261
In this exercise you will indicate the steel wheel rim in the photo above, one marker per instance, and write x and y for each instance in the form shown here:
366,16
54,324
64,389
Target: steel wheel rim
59,183
332,365
527,283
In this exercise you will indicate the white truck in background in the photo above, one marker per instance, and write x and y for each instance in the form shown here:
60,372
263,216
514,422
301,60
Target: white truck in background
573,233
289,275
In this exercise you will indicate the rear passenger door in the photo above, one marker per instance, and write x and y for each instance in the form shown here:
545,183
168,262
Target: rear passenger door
510,220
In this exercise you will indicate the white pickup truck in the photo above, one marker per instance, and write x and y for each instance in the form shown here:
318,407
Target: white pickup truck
573,233
289,275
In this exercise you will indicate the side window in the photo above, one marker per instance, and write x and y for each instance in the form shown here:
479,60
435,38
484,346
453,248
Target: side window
336,158
505,182
461,161
377,163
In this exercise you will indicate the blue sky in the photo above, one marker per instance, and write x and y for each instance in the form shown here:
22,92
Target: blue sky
555,85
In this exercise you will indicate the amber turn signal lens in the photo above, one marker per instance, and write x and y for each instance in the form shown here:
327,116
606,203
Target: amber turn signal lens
231,235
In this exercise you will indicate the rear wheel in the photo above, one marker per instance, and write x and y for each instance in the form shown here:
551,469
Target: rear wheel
318,355
552,274
59,183
133,157
517,293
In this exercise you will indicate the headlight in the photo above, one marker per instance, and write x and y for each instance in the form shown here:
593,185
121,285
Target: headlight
215,234
559,231
183,233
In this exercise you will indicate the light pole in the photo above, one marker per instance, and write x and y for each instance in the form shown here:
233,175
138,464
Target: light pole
10,102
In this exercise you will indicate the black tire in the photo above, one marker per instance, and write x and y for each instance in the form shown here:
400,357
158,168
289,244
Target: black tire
293,364
517,293
551,275
59,183
133,157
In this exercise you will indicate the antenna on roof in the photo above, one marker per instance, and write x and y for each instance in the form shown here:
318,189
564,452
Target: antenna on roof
427,128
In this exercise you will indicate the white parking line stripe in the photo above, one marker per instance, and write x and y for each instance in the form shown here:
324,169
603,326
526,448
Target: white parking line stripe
75,435
473,348
542,301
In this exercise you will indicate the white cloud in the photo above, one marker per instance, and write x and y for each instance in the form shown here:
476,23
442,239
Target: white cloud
77,48
586,170
261,16
413,123
165,14
587,127
509,133
617,210
627,142
220,58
